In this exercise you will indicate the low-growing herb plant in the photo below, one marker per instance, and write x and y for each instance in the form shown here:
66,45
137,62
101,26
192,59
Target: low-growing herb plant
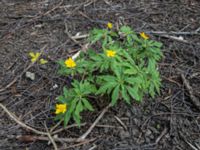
123,66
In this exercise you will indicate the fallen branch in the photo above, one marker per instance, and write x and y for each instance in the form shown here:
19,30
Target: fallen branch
94,124
176,38
31,138
51,138
193,98
173,33
12,116
161,135
46,136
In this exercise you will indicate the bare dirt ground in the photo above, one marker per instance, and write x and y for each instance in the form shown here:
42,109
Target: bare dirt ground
170,121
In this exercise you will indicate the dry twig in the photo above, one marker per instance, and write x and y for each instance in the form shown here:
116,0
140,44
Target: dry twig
94,124
21,123
193,98
51,139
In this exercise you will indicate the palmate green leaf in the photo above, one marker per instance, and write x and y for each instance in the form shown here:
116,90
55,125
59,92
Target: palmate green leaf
126,30
61,62
155,44
105,41
129,39
91,53
67,118
73,105
104,66
115,95
131,71
65,92
75,84
77,119
157,86
118,71
113,34
106,87
128,57
107,78
152,90
133,92
87,104
79,108
97,34
134,80
89,89
125,95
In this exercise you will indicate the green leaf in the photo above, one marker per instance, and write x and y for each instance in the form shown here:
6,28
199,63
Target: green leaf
61,62
157,44
115,95
117,71
108,78
125,95
87,104
77,119
126,30
134,80
89,89
152,91
79,108
65,92
134,93
67,118
73,105
131,71
96,35
105,87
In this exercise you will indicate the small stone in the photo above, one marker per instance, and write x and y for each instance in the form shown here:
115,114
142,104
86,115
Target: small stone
55,86
124,134
148,132
30,75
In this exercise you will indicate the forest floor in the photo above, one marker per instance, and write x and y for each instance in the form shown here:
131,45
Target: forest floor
169,121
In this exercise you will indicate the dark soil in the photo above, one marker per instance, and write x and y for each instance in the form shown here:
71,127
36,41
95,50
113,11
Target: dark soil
170,121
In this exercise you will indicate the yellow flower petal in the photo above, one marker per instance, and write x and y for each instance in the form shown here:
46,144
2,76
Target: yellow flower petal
37,55
43,61
110,53
34,56
109,25
61,108
70,63
144,36
33,60
31,54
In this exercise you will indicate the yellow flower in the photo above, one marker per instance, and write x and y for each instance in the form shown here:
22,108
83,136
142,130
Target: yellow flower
61,108
70,63
34,56
109,25
144,36
43,61
110,53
